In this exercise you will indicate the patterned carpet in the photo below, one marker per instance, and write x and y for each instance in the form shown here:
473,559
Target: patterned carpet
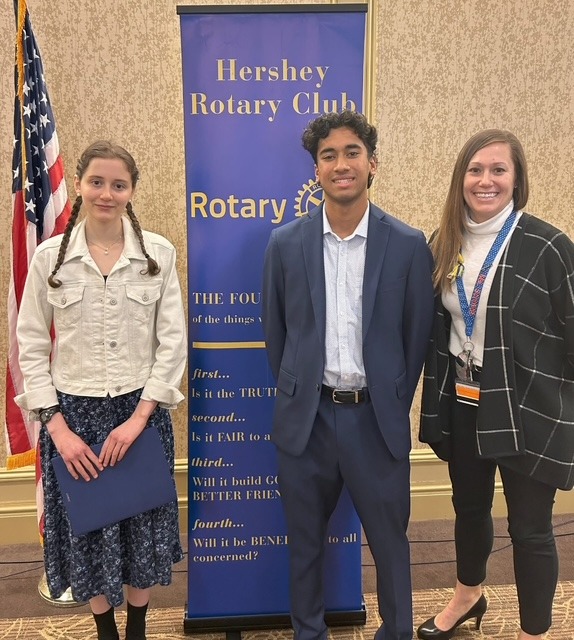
167,624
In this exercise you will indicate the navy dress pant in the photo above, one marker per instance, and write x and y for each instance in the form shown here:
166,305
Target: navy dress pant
346,447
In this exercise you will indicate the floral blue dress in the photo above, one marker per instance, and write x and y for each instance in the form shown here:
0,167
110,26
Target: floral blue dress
138,551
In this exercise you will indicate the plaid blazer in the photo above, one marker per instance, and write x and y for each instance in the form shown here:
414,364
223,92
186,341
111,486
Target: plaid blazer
525,418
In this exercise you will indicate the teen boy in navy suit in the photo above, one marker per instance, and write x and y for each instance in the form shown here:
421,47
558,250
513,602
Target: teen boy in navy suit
347,313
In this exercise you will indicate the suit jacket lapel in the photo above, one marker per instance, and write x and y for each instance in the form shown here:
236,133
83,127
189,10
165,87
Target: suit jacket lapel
377,239
312,242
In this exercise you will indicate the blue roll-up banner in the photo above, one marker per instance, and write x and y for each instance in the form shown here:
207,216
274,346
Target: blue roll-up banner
253,77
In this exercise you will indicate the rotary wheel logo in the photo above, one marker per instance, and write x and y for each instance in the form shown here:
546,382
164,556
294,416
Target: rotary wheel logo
309,197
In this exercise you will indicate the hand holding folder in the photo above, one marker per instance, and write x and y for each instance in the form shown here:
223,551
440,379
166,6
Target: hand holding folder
139,482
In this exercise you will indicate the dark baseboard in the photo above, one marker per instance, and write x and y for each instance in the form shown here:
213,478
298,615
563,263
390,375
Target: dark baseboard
234,625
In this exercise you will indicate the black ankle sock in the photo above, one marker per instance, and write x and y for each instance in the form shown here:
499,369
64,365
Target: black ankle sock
135,627
106,625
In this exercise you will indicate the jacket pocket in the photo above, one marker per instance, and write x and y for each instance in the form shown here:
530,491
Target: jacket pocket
67,304
142,299
286,382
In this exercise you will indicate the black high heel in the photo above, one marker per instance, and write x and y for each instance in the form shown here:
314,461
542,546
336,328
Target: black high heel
429,631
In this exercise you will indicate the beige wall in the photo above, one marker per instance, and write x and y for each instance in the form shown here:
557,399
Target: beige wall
440,70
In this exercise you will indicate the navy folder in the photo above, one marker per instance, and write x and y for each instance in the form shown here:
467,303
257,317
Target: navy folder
139,482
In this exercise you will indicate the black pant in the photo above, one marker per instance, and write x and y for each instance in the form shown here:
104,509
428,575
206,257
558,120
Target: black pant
529,504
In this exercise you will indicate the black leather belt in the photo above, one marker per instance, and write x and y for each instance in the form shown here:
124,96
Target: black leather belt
345,396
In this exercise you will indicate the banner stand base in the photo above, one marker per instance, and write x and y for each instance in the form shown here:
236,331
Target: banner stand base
232,626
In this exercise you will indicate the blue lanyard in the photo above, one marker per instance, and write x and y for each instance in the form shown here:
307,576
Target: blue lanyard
469,309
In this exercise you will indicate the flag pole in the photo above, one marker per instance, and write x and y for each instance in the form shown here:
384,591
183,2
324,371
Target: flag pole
40,210
65,600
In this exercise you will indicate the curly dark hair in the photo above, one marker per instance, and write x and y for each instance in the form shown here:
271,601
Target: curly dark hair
320,128
102,149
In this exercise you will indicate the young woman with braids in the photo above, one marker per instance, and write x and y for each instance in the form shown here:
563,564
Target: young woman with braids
111,293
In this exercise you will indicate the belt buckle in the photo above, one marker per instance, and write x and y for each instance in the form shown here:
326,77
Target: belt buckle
355,393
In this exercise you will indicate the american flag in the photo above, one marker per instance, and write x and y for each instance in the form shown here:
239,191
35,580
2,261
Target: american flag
40,208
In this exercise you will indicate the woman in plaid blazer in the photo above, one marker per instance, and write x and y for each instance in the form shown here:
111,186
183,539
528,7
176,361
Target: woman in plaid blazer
498,386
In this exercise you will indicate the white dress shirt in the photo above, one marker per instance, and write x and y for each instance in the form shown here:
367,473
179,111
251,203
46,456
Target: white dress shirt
344,269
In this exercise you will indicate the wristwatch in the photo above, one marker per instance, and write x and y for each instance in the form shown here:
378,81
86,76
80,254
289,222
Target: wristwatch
47,414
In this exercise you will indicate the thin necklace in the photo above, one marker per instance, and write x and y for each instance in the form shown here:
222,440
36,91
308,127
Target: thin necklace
106,250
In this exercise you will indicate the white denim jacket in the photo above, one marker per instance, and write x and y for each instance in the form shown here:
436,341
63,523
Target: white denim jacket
112,336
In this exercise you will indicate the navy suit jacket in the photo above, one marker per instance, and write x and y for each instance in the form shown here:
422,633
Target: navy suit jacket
397,317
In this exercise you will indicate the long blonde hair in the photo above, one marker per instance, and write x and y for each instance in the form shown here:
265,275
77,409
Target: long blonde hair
446,242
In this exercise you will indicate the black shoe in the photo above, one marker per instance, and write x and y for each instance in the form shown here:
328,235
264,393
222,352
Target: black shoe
429,631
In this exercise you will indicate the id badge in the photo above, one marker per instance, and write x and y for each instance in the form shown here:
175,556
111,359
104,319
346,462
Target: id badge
467,391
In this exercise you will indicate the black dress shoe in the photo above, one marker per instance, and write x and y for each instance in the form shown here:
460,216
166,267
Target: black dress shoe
429,631
380,633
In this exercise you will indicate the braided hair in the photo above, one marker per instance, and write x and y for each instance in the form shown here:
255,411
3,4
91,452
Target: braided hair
52,280
103,149
153,267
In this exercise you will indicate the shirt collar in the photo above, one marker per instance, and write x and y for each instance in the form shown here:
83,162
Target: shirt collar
79,247
361,229
492,225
